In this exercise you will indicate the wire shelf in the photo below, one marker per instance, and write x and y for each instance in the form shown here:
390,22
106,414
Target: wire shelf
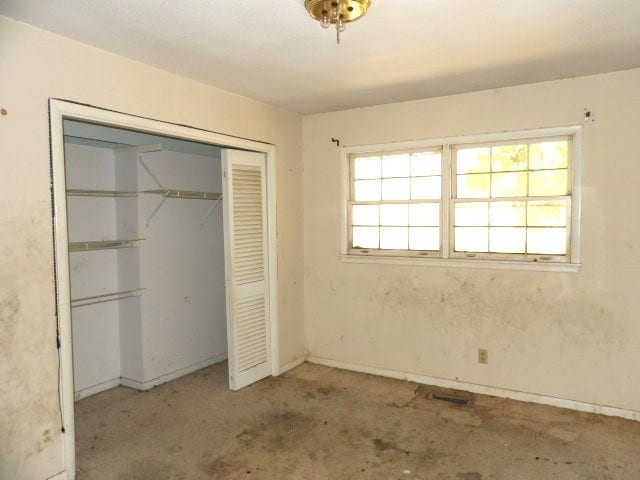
189,194
77,192
106,297
103,245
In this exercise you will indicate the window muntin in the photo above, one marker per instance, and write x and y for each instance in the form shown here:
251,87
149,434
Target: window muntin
396,202
496,200
512,199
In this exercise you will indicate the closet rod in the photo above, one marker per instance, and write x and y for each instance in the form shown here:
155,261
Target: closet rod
105,297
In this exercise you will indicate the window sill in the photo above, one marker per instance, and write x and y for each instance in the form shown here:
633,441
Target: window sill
464,263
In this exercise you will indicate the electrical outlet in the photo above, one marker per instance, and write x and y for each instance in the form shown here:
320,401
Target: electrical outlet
47,437
483,355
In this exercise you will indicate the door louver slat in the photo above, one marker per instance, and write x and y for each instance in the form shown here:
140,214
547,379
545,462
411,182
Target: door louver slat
247,197
252,346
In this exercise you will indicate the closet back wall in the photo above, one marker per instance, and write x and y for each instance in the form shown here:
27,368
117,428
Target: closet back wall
178,324
183,316
38,65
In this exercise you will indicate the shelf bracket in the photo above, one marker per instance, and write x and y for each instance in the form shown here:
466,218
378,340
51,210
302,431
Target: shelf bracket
166,193
213,207
155,210
155,179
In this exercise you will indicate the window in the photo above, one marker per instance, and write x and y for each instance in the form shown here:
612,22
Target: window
512,199
397,201
496,199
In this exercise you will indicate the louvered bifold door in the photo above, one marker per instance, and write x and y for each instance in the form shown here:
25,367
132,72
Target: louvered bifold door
246,267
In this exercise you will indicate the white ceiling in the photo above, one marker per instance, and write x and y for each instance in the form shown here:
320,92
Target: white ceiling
401,50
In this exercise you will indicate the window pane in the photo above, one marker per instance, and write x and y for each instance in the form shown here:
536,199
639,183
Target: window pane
550,241
366,167
426,164
472,239
509,157
471,214
394,215
395,165
548,182
512,184
365,237
365,215
473,160
548,155
424,214
394,238
366,190
507,214
547,214
474,186
426,188
507,239
395,189
424,238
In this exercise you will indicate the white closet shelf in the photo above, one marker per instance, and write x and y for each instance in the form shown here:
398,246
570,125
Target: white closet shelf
187,194
77,192
103,245
106,297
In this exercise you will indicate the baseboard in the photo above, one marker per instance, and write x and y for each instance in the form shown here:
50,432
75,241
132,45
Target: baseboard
482,389
291,365
92,390
59,476
149,384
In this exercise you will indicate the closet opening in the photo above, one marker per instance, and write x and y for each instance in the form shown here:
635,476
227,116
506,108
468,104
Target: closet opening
164,238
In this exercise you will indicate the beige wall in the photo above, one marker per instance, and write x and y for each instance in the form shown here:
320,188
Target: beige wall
573,336
567,335
36,65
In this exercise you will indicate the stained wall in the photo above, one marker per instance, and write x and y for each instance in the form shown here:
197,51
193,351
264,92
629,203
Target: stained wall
573,336
38,65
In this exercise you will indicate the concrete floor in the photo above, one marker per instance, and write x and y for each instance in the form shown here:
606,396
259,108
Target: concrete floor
321,423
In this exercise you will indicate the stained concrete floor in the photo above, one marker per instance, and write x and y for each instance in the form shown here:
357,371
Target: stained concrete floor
321,423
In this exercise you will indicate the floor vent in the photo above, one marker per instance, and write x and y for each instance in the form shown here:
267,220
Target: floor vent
454,400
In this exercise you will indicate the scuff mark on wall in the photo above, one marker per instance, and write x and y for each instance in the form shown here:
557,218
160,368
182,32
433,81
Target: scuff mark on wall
78,263
9,308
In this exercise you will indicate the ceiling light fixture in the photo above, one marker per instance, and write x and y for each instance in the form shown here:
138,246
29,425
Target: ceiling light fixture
337,12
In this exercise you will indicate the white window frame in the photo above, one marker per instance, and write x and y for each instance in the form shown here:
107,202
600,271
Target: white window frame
350,202
446,257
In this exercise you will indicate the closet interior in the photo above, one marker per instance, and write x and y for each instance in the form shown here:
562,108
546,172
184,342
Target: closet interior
146,255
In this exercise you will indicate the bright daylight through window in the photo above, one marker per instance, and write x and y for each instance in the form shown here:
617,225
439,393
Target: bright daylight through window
503,200
397,201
